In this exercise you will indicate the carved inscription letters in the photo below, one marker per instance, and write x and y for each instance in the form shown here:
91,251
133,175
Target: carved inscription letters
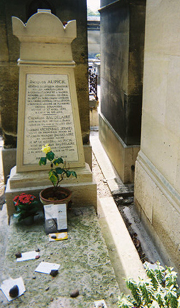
48,117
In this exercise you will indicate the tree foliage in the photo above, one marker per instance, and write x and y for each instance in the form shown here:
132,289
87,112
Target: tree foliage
159,290
92,13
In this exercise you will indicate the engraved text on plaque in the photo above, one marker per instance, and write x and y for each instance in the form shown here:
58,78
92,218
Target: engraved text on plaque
48,118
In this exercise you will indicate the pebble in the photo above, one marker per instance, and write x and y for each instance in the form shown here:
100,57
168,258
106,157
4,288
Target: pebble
14,291
18,255
54,273
74,293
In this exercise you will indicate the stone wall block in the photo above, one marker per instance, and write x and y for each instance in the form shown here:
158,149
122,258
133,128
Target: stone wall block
159,209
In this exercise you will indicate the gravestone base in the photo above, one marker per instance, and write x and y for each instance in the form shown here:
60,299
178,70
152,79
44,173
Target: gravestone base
9,159
84,189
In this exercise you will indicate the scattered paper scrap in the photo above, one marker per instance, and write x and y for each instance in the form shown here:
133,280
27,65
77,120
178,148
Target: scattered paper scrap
8,284
30,255
58,236
46,267
100,304
150,265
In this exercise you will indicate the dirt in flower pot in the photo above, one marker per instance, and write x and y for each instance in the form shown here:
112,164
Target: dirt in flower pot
55,195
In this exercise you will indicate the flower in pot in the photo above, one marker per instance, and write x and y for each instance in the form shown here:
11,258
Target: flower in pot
26,207
57,172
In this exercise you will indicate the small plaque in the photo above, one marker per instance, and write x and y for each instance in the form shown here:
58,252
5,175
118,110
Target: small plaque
48,118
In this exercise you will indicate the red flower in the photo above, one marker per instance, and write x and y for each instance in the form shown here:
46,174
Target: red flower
23,199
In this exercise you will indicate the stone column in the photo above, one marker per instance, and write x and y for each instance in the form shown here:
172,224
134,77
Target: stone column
157,172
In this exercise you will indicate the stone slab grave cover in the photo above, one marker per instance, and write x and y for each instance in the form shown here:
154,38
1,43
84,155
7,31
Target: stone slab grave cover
48,107
84,265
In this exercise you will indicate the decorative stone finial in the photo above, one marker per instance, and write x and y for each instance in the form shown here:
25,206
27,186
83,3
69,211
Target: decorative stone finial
44,27
44,38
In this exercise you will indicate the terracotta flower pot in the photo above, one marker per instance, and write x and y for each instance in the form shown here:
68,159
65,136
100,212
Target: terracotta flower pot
56,195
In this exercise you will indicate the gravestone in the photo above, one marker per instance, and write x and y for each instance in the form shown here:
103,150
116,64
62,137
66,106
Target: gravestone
48,108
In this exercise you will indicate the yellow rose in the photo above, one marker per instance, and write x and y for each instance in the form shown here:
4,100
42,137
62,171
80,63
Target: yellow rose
46,149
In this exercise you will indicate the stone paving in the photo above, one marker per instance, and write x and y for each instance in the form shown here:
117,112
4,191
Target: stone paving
83,258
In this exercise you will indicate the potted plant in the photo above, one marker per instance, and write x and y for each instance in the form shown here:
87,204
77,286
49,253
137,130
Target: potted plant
57,172
26,207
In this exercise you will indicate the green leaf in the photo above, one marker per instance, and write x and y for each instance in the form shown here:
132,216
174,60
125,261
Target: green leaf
42,161
50,155
23,206
68,173
53,177
125,301
59,170
58,161
74,174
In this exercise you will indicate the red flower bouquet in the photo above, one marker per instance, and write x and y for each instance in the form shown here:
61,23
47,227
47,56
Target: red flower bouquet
25,205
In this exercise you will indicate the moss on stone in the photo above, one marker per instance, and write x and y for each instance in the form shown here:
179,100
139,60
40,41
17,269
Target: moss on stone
83,258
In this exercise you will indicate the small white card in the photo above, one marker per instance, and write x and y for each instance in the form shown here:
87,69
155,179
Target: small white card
58,213
10,283
100,304
46,267
30,255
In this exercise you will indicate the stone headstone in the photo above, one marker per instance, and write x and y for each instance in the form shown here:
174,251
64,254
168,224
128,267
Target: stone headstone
48,108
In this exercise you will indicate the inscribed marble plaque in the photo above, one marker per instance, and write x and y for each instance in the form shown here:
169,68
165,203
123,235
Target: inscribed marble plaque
48,118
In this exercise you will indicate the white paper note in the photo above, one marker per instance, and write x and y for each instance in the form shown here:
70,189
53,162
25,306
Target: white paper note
9,283
100,304
30,255
46,267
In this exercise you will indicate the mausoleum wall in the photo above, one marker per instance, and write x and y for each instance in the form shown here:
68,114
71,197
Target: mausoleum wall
122,47
157,179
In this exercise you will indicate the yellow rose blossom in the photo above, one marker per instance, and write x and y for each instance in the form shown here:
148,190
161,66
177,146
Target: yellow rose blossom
46,149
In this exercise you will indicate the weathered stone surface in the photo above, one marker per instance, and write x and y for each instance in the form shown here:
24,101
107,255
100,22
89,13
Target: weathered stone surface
157,187
9,53
122,45
83,258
